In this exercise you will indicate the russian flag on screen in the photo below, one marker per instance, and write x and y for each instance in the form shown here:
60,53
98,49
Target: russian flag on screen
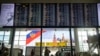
32,36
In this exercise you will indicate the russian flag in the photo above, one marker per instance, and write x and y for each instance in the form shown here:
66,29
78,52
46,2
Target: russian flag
32,36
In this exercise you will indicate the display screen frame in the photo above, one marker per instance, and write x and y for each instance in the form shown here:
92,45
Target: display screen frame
7,14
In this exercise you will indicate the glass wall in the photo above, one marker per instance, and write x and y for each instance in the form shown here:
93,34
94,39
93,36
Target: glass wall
86,42
25,40
5,41
56,40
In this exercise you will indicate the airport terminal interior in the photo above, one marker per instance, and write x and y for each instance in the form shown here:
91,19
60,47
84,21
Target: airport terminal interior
81,41
65,29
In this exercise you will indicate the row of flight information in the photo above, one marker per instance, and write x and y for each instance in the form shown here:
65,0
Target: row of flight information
50,14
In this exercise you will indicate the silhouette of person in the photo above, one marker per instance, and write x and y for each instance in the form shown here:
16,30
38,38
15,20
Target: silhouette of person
20,52
32,52
4,50
59,52
47,52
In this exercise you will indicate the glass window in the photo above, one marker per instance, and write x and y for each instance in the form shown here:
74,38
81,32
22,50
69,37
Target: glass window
7,32
1,37
1,32
85,41
6,37
22,42
6,42
86,48
23,32
22,37
16,37
56,37
15,42
17,33
27,37
91,33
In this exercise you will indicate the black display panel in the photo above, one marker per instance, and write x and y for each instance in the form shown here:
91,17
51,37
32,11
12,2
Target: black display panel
49,14
21,14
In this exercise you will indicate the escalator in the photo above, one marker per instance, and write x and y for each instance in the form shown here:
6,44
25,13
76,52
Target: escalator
93,46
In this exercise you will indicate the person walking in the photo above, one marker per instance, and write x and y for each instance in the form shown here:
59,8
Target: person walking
33,52
47,52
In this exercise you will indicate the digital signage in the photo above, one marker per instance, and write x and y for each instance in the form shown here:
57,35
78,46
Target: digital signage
98,5
50,38
6,15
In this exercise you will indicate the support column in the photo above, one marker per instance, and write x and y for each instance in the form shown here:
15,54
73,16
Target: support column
11,41
77,48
